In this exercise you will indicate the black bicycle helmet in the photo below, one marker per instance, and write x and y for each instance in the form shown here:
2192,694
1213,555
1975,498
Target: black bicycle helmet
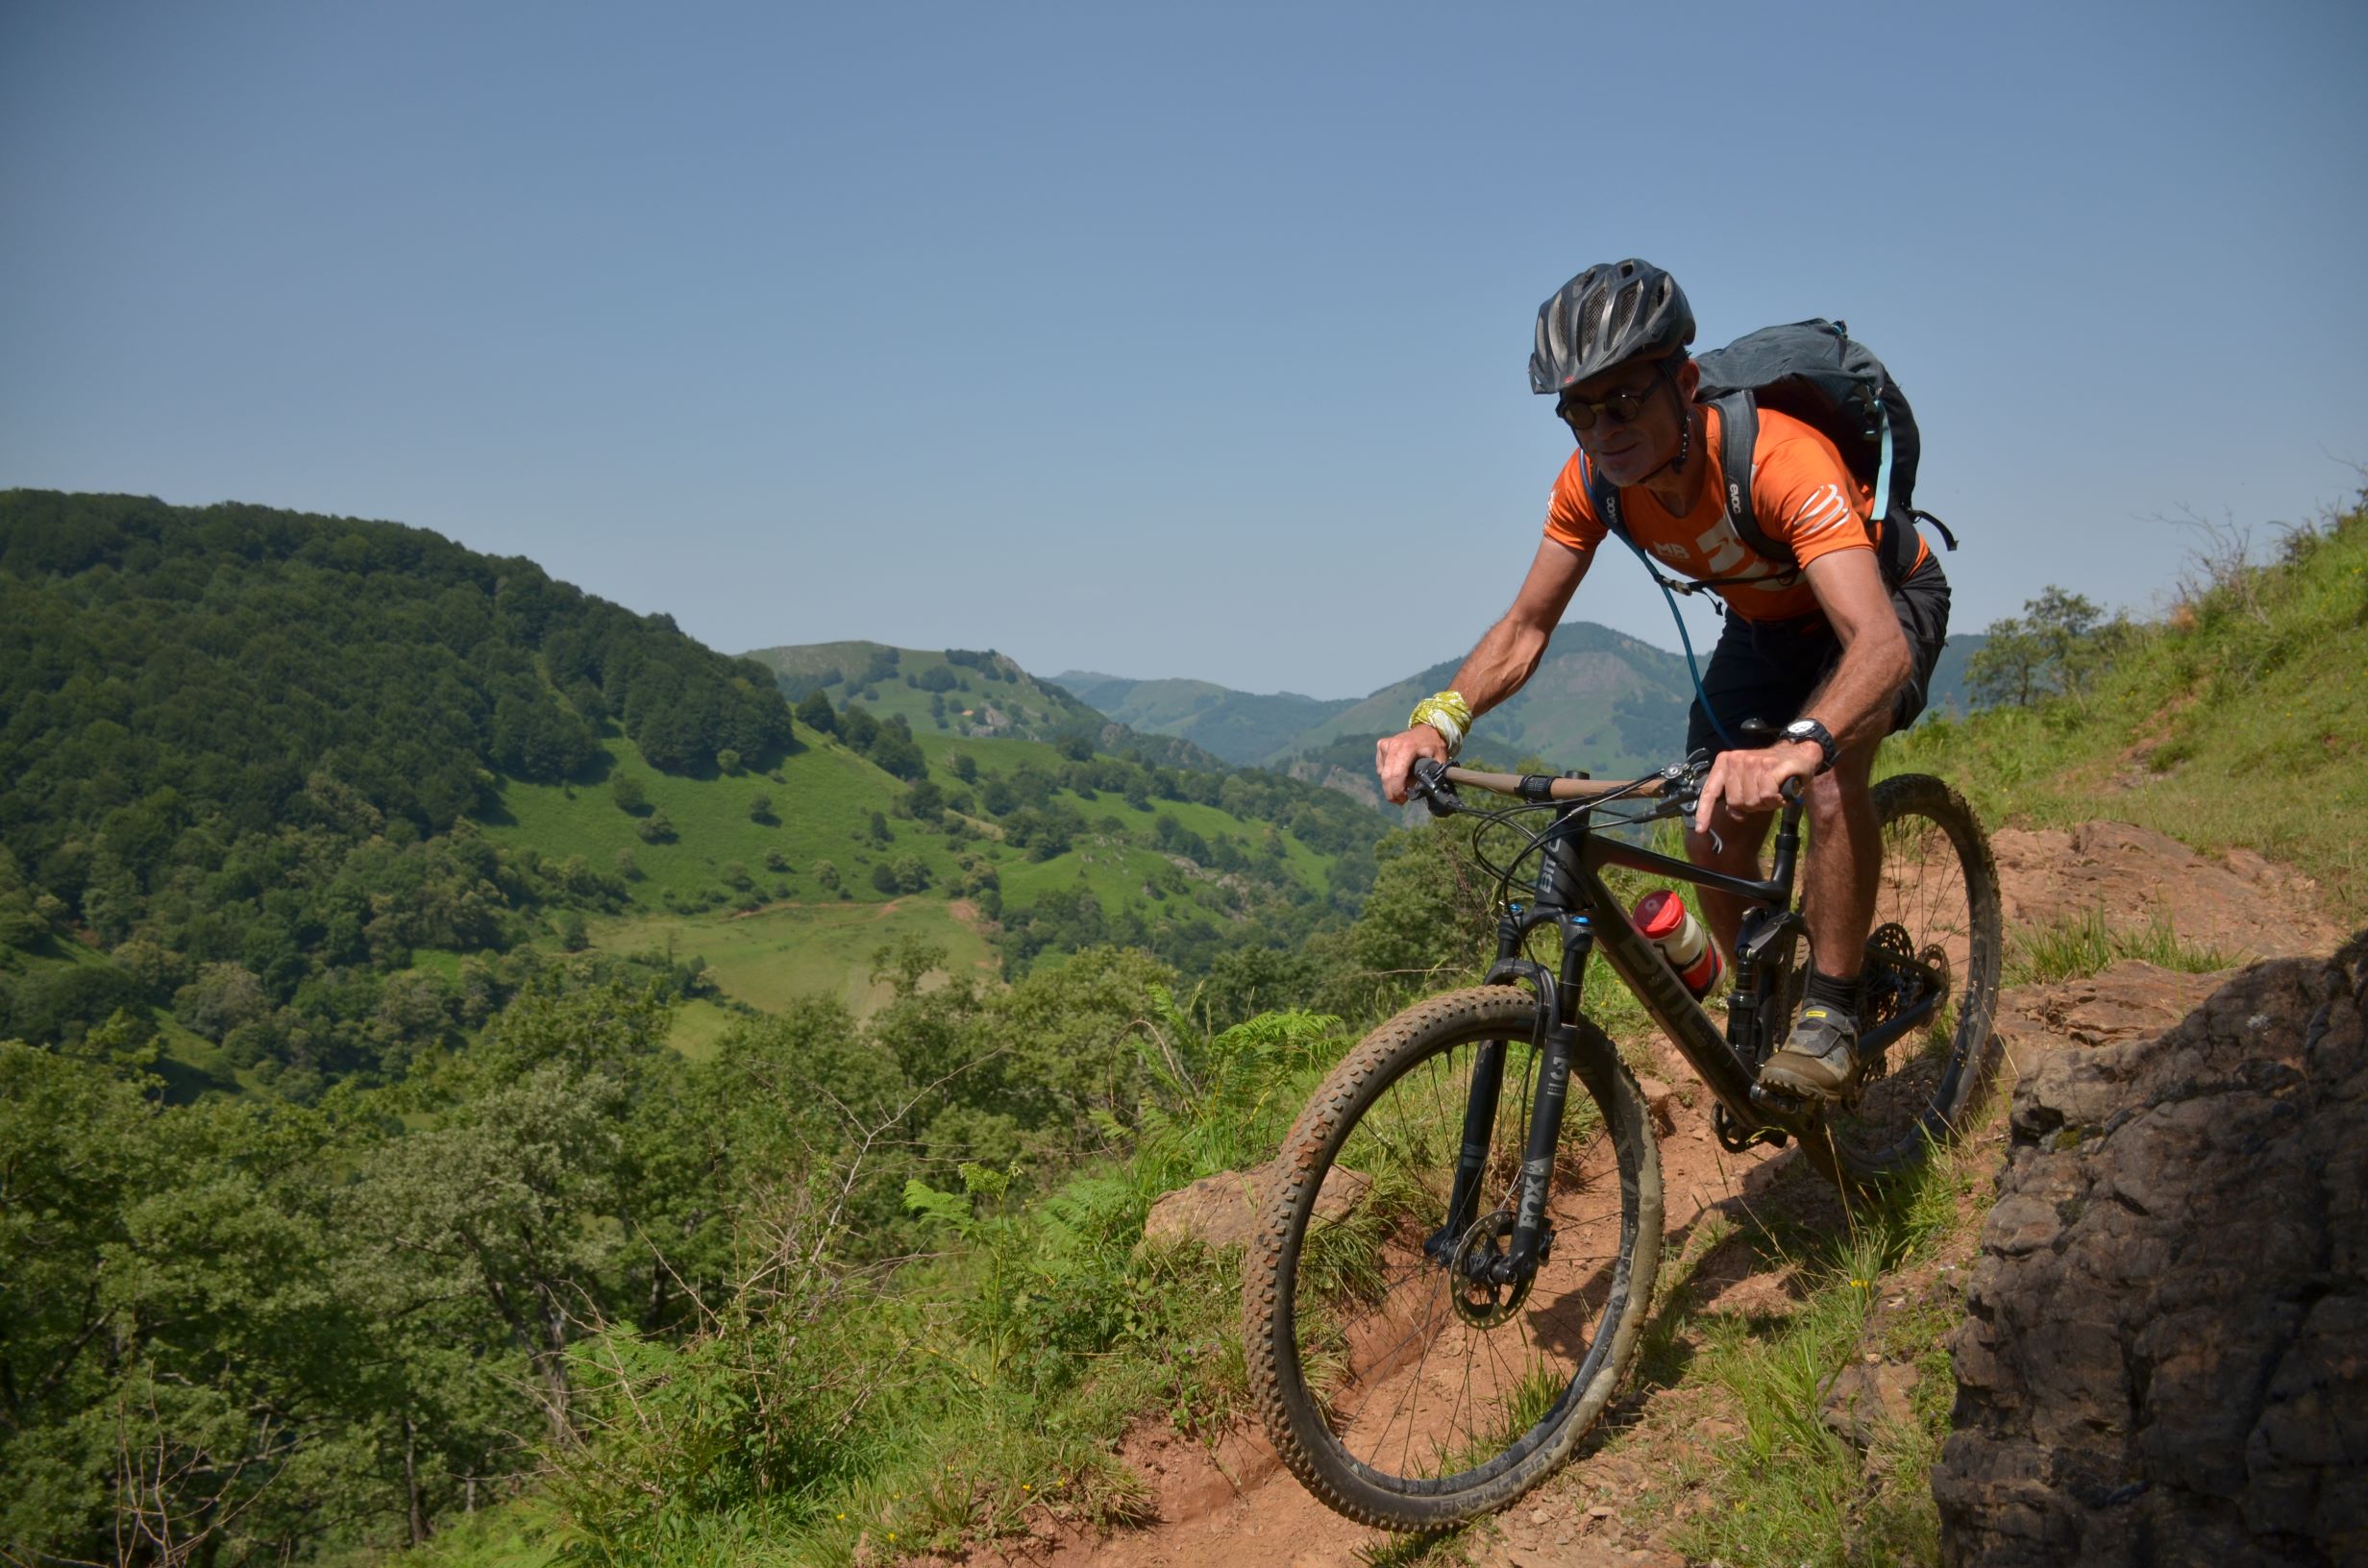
1606,316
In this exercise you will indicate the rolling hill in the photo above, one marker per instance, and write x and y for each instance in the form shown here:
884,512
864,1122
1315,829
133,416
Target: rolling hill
309,796
1245,728
979,694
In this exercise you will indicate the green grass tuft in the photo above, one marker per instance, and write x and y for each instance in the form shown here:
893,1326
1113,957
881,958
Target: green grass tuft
2077,946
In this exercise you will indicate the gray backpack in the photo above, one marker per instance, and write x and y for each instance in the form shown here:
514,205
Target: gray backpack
1814,372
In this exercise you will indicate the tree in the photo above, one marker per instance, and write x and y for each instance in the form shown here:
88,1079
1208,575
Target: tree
573,937
884,878
627,792
728,760
2055,648
895,750
761,807
817,715
827,875
657,828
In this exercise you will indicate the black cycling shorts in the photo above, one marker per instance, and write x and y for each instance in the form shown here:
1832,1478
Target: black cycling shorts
1766,669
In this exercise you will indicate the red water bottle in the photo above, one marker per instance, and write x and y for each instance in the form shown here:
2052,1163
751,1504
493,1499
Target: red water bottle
1665,920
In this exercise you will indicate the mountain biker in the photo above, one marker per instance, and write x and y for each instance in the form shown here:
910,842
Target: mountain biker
1826,645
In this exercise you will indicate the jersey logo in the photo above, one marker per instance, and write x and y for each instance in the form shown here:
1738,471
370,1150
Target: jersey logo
1822,512
1669,550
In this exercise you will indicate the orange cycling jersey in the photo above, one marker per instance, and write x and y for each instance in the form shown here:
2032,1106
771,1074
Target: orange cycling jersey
1801,493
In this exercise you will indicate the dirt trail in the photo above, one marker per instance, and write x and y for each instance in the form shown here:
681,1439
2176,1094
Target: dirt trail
1235,1507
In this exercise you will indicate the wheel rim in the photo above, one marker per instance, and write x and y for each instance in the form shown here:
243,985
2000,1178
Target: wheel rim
1423,1381
1926,924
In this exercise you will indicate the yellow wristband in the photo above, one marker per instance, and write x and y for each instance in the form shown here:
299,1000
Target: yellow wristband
1448,713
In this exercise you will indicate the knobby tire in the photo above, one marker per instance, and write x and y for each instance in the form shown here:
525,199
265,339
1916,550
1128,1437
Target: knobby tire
1383,1398
1938,893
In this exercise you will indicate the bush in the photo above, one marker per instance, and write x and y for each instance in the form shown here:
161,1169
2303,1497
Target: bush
657,828
760,808
627,792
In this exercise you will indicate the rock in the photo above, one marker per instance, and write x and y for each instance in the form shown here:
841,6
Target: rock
2132,1000
1865,1397
1225,1210
1662,1101
2166,1353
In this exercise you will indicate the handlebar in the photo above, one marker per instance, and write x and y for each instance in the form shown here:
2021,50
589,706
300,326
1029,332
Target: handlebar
1434,785
1549,787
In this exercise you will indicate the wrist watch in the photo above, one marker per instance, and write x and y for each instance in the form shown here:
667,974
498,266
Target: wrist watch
1809,729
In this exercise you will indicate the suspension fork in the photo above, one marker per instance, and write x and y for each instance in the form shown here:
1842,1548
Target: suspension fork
1557,1002
1531,1237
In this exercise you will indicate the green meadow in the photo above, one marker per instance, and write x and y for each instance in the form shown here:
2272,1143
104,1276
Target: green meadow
771,958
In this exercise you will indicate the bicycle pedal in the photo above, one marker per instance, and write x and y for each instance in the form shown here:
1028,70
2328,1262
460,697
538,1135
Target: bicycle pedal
1734,1139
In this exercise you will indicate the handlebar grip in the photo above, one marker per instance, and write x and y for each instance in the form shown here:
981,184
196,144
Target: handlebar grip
1792,789
1429,781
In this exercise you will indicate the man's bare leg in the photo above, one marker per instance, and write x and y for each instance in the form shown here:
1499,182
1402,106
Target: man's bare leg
1845,865
1819,1059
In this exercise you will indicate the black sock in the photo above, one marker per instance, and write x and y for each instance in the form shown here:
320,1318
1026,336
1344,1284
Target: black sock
1841,995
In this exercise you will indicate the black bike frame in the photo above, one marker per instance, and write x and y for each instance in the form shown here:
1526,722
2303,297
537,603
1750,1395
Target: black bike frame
1570,896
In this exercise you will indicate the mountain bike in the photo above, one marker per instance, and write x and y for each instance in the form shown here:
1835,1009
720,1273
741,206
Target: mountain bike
1451,1281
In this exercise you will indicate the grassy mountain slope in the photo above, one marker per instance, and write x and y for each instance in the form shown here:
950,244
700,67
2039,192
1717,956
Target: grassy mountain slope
1599,700
2241,721
786,904
977,693
1243,727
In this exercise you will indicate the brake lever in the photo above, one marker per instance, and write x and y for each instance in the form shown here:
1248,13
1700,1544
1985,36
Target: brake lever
1429,781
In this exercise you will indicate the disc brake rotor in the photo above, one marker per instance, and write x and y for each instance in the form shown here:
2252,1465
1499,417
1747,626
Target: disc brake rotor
1480,1298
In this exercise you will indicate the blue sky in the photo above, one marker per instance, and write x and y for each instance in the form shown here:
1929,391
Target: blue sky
1186,341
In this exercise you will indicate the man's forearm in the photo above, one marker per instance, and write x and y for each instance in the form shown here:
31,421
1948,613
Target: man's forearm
1506,657
1855,703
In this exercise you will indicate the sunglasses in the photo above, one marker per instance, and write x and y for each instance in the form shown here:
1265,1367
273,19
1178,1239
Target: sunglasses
1620,408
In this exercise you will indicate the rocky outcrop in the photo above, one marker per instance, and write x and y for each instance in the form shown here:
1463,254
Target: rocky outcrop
2166,1357
1225,1210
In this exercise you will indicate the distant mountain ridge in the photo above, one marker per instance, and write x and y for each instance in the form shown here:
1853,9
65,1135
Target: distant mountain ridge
1600,699
1243,727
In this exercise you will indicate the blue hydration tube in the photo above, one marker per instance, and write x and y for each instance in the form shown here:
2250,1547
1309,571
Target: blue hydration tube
1692,667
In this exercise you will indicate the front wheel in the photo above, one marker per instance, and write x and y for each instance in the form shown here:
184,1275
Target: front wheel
1401,1384
1936,946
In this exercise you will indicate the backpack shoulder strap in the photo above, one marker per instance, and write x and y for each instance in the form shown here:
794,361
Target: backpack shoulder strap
1739,438
1603,497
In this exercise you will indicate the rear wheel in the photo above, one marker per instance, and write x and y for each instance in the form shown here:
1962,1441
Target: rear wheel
1400,1385
1935,945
